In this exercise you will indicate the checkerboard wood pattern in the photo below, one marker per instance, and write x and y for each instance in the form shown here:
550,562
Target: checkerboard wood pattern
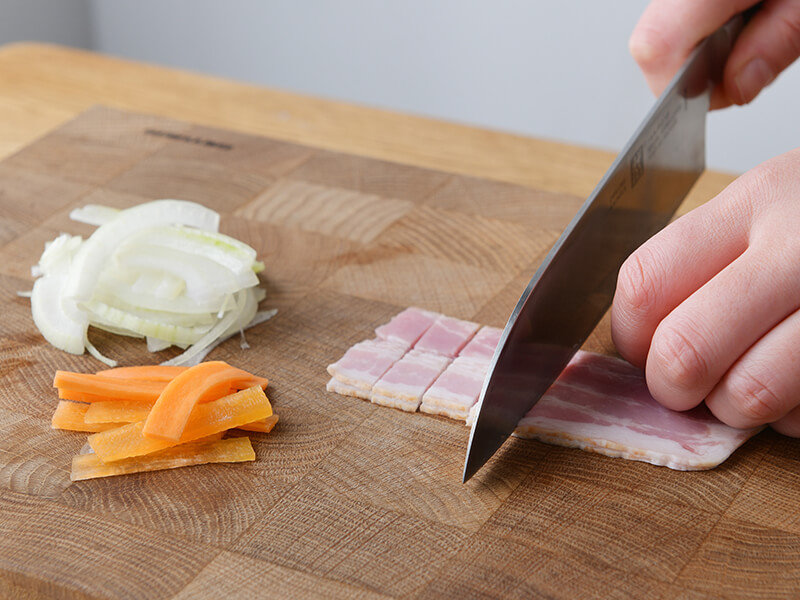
346,499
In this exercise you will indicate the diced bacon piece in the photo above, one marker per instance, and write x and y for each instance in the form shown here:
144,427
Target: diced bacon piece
336,386
602,404
403,385
457,389
446,336
363,364
407,327
483,344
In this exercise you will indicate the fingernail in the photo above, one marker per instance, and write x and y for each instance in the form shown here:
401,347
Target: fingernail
752,78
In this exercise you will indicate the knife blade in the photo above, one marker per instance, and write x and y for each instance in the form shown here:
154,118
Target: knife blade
574,286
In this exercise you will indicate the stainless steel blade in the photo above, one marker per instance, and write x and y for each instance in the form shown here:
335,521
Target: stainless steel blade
574,286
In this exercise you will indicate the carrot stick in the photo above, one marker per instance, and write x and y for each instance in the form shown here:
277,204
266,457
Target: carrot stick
201,383
125,411
91,398
117,411
262,426
226,413
71,416
146,372
98,385
238,449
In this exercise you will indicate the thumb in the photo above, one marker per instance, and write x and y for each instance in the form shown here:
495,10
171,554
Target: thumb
769,44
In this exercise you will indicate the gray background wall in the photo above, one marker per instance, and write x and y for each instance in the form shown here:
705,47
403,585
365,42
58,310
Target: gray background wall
557,70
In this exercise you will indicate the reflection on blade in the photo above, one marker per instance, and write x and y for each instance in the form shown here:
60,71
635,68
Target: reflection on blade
574,287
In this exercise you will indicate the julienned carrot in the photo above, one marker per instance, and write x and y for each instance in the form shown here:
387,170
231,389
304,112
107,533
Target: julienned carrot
201,383
90,398
111,387
226,413
239,449
117,411
262,425
124,411
146,372
71,416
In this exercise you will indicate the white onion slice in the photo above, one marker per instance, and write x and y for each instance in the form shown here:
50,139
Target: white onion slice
91,257
158,271
93,214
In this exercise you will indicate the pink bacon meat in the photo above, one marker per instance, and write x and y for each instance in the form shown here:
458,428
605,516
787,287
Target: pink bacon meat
407,327
457,389
446,336
364,364
403,385
602,404
482,346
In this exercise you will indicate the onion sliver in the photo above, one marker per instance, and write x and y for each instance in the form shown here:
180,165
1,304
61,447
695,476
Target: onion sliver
159,271
90,259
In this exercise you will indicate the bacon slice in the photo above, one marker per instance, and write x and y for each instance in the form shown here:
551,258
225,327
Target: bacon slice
344,389
601,404
407,327
363,364
446,336
482,346
457,389
403,385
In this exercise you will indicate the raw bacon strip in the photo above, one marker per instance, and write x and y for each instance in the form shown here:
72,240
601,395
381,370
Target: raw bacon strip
407,327
446,336
483,344
403,385
363,364
334,385
601,404
457,389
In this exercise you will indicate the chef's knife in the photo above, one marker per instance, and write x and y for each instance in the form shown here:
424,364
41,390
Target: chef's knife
574,286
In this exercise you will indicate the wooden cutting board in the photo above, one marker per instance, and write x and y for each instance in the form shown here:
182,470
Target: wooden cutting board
346,499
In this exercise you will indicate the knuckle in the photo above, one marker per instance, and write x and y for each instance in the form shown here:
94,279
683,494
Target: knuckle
638,282
754,397
677,351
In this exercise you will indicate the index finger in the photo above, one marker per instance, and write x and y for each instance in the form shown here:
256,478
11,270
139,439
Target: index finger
668,31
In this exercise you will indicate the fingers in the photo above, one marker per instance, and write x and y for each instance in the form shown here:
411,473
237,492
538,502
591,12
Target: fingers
769,43
672,265
696,344
669,29
763,386
790,424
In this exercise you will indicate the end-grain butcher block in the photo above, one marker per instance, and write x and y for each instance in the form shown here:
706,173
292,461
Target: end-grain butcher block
599,403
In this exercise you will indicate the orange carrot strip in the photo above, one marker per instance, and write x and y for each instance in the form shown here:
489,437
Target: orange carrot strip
90,398
263,426
117,411
98,385
203,382
226,413
125,411
250,381
71,416
146,372
238,449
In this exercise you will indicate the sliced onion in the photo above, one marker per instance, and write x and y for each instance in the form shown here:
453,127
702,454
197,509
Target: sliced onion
91,257
93,214
159,271
61,327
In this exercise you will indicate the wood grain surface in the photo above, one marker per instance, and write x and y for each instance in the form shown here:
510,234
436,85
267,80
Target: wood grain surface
346,499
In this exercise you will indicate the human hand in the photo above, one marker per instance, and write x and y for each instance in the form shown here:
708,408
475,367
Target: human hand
709,306
669,30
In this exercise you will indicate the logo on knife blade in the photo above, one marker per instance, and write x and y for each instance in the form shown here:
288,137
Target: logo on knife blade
637,165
